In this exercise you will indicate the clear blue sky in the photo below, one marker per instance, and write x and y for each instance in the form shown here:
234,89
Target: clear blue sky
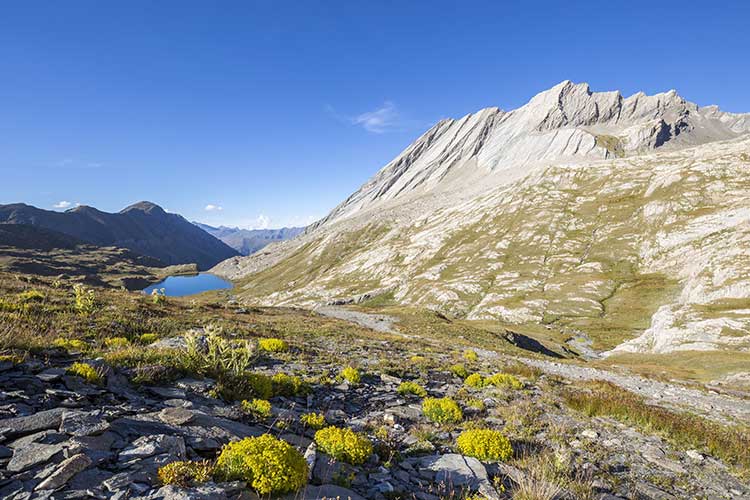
276,111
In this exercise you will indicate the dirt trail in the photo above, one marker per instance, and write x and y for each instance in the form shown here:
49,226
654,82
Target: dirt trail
717,407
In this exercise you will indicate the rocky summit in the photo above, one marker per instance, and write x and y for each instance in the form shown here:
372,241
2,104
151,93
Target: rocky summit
621,222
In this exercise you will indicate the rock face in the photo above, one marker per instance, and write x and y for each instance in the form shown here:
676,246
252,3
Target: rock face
144,228
621,219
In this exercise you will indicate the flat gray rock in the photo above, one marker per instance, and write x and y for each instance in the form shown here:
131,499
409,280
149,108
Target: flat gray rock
39,421
65,471
31,455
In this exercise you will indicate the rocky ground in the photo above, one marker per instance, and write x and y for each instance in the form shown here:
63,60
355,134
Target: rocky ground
61,437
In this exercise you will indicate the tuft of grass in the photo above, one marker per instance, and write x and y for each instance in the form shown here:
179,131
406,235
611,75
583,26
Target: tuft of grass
313,420
31,296
259,408
459,370
729,443
442,410
475,380
344,444
185,474
273,345
351,375
411,388
86,372
71,344
486,445
504,380
471,355
116,342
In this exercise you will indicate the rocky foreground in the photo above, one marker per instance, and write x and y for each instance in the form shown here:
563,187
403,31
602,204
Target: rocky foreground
62,437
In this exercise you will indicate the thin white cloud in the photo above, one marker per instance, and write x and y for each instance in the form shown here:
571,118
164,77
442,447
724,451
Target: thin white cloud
386,118
76,164
262,222
383,119
213,208
62,204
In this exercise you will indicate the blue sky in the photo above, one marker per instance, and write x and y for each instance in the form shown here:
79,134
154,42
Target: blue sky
273,112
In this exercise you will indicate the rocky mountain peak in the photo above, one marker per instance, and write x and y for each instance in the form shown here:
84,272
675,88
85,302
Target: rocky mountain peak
144,206
568,122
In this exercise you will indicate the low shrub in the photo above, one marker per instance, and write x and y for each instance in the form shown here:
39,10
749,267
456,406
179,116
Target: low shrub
411,388
267,464
31,296
351,375
471,355
475,380
272,345
459,370
70,344
10,358
116,342
288,385
476,403
185,474
313,420
344,444
260,408
484,444
86,372
148,338
442,410
245,386
504,380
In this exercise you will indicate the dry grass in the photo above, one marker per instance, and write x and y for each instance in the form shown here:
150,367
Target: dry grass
729,443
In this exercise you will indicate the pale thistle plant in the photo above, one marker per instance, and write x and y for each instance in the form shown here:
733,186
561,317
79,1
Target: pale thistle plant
85,299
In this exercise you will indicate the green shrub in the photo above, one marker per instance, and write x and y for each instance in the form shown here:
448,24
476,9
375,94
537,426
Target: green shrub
475,403
273,345
475,380
504,380
260,408
245,386
86,372
484,444
442,410
10,358
471,355
148,338
70,344
185,474
31,296
351,375
459,370
267,464
313,420
344,444
116,342
288,385
411,388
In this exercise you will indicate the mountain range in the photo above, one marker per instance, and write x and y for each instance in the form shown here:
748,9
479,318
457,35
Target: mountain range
249,241
144,228
618,223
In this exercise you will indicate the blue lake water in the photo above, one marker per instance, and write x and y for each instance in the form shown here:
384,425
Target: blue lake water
179,286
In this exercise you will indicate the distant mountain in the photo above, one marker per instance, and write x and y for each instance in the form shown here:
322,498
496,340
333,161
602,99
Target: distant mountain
40,251
144,228
249,241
